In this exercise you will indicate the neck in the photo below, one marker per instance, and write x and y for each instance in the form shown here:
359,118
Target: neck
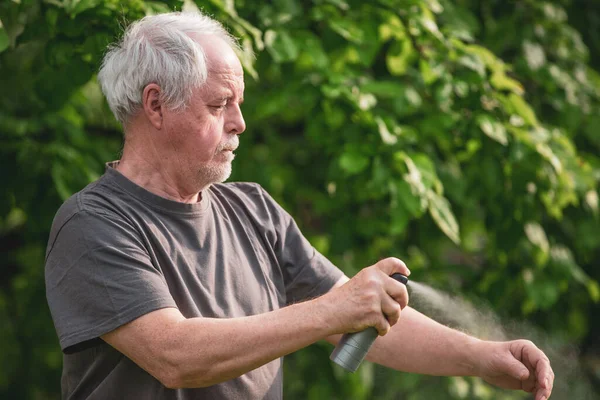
143,165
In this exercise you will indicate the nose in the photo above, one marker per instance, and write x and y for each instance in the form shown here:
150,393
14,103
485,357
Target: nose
235,123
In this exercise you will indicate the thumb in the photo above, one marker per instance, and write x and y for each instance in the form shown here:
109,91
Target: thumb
517,370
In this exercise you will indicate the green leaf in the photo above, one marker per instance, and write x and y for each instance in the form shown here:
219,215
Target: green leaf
393,28
426,169
591,200
312,48
78,6
411,203
473,62
400,218
14,220
523,109
400,56
534,55
384,88
4,42
386,136
543,292
246,56
489,59
413,177
501,81
58,172
407,102
537,236
594,290
440,211
348,29
492,128
353,162
431,71
281,46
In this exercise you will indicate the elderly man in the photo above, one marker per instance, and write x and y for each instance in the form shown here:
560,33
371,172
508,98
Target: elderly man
166,284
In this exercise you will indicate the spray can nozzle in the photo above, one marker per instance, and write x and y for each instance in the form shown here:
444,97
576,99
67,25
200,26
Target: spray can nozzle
353,347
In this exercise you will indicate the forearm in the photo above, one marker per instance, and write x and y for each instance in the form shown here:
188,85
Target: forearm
208,351
418,344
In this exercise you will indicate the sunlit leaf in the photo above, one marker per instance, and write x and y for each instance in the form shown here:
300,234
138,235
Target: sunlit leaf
409,200
440,211
594,290
501,81
281,46
400,56
473,62
348,30
386,136
523,109
536,235
492,128
534,55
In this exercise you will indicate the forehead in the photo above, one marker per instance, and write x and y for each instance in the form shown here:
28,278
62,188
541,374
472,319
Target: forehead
221,84
220,57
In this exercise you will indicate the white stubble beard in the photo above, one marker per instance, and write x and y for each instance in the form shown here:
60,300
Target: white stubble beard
217,171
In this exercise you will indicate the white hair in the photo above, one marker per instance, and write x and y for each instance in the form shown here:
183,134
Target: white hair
158,49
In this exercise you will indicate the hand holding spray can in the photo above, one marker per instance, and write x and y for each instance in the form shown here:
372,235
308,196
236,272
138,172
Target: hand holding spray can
353,347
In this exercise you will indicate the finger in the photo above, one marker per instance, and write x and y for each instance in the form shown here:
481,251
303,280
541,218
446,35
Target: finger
540,364
397,291
529,384
543,371
545,381
391,309
518,370
545,375
383,326
542,394
392,265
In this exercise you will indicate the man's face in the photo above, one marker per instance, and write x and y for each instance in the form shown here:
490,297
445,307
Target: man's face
202,137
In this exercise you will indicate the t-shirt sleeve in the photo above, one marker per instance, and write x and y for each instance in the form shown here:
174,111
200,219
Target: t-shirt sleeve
307,273
99,276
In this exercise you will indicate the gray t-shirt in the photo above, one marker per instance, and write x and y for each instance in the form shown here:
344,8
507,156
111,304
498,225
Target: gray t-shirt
117,251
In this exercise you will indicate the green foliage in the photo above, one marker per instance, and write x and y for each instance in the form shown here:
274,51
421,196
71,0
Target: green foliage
457,136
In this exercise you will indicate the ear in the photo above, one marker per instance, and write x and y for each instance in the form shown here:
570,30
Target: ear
152,105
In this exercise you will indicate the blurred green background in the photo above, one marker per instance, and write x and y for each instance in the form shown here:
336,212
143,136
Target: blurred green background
461,136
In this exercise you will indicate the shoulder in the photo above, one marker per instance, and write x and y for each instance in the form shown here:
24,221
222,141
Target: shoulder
238,189
250,194
249,197
81,210
92,199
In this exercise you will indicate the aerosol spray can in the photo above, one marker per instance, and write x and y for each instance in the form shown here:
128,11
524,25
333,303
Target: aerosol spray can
353,347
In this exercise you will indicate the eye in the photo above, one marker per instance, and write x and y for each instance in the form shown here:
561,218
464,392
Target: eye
219,104
217,107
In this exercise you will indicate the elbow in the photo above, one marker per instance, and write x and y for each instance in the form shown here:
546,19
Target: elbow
167,366
170,380
176,381
181,375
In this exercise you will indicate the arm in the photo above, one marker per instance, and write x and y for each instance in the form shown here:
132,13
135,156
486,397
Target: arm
420,345
199,352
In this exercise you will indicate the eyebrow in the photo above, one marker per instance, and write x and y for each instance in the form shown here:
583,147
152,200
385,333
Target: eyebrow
227,95
230,97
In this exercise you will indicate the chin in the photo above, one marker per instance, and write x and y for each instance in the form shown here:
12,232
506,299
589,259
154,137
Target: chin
216,173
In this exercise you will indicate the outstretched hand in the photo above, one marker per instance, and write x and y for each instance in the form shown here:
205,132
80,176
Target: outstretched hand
517,364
